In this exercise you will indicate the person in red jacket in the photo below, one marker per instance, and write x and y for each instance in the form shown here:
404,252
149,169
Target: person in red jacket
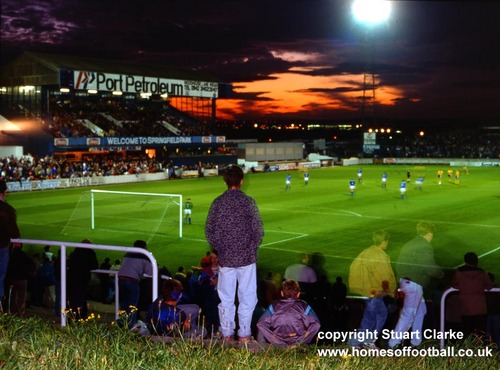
472,281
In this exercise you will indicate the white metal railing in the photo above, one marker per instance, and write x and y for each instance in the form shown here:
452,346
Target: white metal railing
64,245
117,290
443,309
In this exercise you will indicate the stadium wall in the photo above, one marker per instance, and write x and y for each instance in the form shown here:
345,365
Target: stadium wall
284,166
454,162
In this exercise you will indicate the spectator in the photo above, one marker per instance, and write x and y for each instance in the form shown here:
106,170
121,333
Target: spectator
8,231
105,280
416,259
338,299
289,321
472,281
80,263
207,281
132,271
304,274
234,230
166,318
21,268
412,314
47,279
374,317
372,266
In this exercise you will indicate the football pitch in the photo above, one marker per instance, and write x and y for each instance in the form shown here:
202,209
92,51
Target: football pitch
321,217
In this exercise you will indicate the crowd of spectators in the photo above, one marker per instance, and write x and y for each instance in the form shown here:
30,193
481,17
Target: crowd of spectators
29,168
71,118
445,145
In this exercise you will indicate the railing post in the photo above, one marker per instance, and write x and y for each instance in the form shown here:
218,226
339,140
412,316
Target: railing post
64,245
63,285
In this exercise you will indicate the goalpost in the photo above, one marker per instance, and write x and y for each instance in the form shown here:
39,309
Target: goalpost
177,200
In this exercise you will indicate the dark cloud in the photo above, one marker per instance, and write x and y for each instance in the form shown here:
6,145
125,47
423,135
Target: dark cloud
433,58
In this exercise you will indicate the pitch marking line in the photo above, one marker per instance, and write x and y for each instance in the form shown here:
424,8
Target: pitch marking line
298,236
343,212
481,256
336,212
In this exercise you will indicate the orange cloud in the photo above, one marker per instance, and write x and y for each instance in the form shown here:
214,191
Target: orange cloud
296,92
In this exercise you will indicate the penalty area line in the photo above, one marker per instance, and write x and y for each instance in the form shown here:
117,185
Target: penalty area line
481,256
299,236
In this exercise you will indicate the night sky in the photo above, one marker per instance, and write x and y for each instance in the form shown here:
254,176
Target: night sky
287,59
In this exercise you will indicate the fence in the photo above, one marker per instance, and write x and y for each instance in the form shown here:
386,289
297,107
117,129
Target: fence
443,309
64,245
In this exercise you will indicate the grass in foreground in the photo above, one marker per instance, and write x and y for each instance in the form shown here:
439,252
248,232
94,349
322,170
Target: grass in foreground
35,343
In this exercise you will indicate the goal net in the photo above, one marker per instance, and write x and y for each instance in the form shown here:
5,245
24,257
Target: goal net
148,212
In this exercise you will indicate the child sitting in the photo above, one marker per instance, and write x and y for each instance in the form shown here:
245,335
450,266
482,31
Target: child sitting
166,319
289,321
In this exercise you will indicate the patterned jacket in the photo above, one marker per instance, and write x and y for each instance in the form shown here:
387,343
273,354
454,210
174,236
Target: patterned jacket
234,229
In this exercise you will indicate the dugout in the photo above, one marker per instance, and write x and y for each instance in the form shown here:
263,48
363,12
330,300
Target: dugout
35,85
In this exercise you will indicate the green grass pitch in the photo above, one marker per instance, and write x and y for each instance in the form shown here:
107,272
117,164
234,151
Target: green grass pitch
320,217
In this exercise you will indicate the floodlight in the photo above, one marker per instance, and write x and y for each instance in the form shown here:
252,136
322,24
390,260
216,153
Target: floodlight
371,11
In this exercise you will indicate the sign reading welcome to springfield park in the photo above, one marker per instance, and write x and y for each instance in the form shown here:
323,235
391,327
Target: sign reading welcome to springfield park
137,140
87,80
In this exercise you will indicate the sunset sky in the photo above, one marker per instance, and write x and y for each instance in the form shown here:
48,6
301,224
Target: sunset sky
287,59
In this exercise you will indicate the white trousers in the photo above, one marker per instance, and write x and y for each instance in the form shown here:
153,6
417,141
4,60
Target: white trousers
412,314
245,280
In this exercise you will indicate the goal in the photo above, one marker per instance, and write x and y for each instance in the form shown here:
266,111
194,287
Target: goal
152,211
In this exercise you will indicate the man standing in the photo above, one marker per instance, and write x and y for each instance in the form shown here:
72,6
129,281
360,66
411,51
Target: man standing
415,267
352,186
384,180
234,230
131,272
8,230
416,259
288,182
188,210
402,189
371,267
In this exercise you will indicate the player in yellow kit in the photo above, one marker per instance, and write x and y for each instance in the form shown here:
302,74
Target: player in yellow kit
440,176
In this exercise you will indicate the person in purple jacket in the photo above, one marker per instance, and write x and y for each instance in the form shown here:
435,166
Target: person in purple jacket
289,321
234,230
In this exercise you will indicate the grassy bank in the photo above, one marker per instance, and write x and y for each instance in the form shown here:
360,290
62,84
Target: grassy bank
35,343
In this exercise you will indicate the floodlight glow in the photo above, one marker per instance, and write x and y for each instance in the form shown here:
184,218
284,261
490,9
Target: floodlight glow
371,11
